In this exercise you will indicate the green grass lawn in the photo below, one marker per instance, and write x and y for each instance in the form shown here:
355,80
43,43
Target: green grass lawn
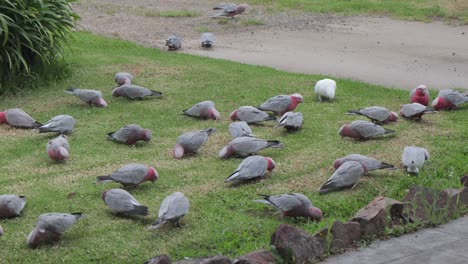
222,219
422,10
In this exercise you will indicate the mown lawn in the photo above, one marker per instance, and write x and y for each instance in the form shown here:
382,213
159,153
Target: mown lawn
222,219
421,10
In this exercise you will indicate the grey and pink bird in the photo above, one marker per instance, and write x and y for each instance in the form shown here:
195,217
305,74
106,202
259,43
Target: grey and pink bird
122,78
130,134
293,205
16,117
191,143
61,124
360,129
371,163
281,104
420,95
207,40
413,158
174,42
58,148
91,97
325,89
50,227
229,10
377,114
245,146
346,176
172,209
203,110
449,99
131,175
292,121
240,129
120,201
11,205
252,167
250,115
131,91
415,111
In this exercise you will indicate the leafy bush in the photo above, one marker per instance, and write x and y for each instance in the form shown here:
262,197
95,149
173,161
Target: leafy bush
32,37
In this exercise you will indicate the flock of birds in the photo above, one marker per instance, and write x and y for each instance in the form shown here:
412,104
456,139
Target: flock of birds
174,42
348,169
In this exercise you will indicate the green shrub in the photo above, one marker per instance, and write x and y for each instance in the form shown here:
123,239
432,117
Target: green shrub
32,37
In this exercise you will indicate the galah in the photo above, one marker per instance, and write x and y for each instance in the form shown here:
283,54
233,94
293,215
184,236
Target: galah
122,78
11,205
91,97
50,226
449,99
229,10
413,158
240,129
371,163
58,148
16,117
207,40
131,175
203,110
420,95
120,201
62,124
325,89
281,104
346,176
360,129
131,91
252,167
293,205
245,146
377,114
172,209
130,134
291,121
191,143
415,111
174,42
250,115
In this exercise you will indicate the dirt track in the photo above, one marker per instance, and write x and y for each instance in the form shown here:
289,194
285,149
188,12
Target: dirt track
376,50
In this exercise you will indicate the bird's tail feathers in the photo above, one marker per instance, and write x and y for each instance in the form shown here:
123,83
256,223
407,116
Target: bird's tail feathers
139,210
271,118
78,215
389,131
103,179
156,93
275,144
387,166
70,90
353,112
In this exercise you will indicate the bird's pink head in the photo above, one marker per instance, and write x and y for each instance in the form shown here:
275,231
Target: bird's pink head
439,103
242,7
101,103
234,116
3,118
152,175
270,164
337,164
393,117
116,92
295,100
214,114
63,153
315,213
146,135
178,151
421,90
226,152
103,195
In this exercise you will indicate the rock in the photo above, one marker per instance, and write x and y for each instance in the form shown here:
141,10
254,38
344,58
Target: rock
342,235
464,180
372,217
424,203
257,257
458,197
210,260
295,245
160,259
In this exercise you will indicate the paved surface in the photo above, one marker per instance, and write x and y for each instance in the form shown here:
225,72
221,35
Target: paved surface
445,244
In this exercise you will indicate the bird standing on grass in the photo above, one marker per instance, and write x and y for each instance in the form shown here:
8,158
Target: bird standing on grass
62,124
172,209
174,42
132,92
252,167
250,115
130,134
415,111
229,10
58,148
325,89
11,205
120,201
91,97
293,205
191,143
413,158
281,104
360,129
377,114
245,146
131,175
203,110
18,118
420,95
346,176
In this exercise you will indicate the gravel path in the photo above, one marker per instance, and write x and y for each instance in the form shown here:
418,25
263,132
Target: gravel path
376,50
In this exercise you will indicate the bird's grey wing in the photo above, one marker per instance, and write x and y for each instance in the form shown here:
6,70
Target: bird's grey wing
177,208
376,113
19,118
135,91
276,104
456,97
285,202
368,129
256,166
130,174
87,95
123,134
